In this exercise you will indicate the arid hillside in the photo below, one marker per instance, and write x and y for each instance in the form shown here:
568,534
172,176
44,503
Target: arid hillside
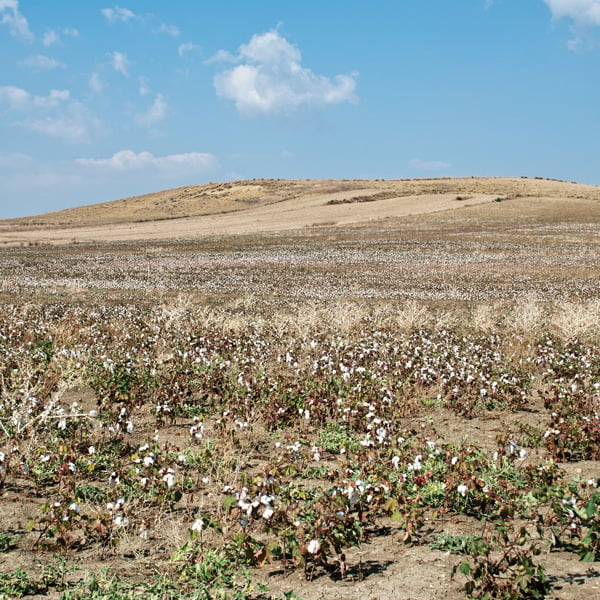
260,206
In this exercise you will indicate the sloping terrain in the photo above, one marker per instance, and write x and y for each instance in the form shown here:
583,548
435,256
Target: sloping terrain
249,207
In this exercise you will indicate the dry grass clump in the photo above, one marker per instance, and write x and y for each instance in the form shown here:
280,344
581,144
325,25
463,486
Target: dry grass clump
580,320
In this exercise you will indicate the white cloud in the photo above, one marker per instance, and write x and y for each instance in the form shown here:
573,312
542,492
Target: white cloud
95,83
17,23
157,112
427,165
50,37
272,81
40,62
71,32
14,160
120,63
127,160
145,88
54,99
221,56
14,98
112,15
583,12
169,29
72,126
184,48
56,115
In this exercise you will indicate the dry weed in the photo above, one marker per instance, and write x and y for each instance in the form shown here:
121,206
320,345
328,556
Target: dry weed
582,320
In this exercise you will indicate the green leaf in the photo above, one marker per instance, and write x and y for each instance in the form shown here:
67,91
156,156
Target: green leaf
588,557
465,568
590,508
228,502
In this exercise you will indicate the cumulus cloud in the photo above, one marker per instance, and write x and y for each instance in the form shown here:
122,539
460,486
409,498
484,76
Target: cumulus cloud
56,115
11,16
582,12
427,165
157,112
112,15
14,98
127,160
270,79
120,63
39,62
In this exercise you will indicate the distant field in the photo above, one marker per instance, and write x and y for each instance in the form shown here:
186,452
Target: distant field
268,390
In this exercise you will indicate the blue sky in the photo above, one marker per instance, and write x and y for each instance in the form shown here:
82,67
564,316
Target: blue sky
100,101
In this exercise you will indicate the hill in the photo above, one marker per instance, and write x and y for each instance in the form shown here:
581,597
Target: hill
247,207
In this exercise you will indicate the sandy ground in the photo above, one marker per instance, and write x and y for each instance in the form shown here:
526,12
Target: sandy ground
297,213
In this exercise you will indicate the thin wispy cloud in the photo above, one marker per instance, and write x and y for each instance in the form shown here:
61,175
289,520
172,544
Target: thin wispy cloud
144,88
116,14
40,62
55,115
119,14
171,30
120,63
14,160
183,49
428,165
11,16
128,160
156,113
50,38
270,79
95,83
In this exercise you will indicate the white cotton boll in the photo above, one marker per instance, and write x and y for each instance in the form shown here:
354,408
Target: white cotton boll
198,525
313,547
268,513
462,489
120,521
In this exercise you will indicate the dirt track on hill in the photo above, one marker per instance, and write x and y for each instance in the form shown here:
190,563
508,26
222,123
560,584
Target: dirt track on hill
297,213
